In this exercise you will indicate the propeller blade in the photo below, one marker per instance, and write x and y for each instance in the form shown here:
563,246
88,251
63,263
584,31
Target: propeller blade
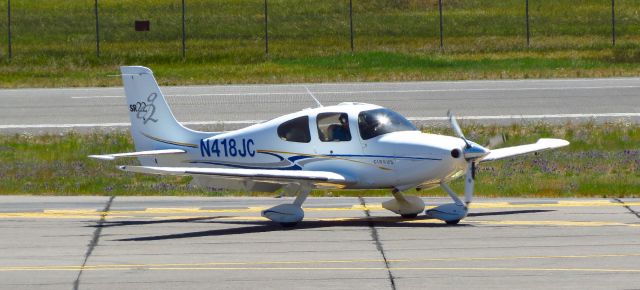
473,170
456,127
469,182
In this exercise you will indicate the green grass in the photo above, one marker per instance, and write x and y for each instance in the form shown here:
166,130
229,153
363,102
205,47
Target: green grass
54,41
602,161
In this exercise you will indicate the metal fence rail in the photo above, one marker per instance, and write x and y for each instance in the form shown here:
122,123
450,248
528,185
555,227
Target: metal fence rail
253,28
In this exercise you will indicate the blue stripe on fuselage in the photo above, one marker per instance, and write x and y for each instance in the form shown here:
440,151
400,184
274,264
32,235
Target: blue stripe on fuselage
382,156
293,167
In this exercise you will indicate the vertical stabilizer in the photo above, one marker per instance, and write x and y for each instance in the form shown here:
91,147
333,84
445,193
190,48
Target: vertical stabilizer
153,126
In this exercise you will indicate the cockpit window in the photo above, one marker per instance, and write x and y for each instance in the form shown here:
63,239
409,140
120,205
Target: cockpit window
381,121
333,127
295,130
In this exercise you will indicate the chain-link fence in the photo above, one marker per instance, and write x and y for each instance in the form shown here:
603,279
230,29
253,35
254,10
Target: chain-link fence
243,31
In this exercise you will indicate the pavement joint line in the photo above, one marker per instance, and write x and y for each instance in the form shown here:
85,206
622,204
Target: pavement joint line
94,241
376,238
625,205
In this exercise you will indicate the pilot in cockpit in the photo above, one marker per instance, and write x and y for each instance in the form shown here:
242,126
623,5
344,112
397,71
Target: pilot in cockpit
341,132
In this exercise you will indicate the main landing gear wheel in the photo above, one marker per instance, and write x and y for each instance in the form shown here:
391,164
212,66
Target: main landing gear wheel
409,216
289,214
454,222
407,206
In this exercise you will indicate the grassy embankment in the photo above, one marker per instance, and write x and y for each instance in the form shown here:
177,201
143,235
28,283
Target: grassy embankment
602,161
54,41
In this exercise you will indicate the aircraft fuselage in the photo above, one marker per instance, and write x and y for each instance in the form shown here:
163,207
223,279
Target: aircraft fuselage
399,157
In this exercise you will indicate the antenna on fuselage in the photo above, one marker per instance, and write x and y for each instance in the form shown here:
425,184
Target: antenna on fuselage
314,97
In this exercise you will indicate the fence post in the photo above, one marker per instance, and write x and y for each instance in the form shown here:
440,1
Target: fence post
9,26
351,22
526,8
97,28
613,22
184,32
440,11
266,30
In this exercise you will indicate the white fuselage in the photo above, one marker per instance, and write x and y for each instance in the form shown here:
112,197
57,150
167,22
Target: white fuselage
350,145
400,159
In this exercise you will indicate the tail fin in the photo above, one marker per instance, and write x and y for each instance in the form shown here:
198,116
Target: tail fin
153,126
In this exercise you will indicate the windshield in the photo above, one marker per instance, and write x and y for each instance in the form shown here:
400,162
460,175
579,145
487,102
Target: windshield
382,121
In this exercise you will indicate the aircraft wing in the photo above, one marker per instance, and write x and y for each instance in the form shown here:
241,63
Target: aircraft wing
137,154
542,145
271,175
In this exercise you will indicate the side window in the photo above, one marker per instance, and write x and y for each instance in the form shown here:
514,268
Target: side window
333,127
295,130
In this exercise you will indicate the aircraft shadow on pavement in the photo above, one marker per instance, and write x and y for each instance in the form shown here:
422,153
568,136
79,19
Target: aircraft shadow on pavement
252,227
508,212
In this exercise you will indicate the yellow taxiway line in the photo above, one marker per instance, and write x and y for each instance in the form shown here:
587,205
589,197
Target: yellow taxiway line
509,269
194,213
587,203
310,264
372,207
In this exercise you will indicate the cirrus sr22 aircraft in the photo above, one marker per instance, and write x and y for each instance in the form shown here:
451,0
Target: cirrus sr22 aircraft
347,146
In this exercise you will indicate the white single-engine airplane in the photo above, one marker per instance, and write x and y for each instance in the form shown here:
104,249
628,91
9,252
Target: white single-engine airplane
350,146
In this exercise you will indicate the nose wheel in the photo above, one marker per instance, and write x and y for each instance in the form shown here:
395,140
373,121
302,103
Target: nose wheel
450,213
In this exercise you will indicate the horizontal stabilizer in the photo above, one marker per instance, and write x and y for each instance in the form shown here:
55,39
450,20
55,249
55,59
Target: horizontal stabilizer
542,145
253,174
138,154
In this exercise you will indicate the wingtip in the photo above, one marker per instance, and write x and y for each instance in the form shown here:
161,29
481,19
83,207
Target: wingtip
565,142
557,142
102,157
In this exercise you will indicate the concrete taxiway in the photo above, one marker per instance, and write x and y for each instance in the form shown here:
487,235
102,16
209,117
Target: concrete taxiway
343,243
225,107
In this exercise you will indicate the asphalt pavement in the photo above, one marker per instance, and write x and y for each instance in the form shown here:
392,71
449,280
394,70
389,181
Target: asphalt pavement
343,243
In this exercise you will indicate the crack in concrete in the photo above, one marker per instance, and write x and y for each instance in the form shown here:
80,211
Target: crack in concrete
637,214
94,240
376,239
